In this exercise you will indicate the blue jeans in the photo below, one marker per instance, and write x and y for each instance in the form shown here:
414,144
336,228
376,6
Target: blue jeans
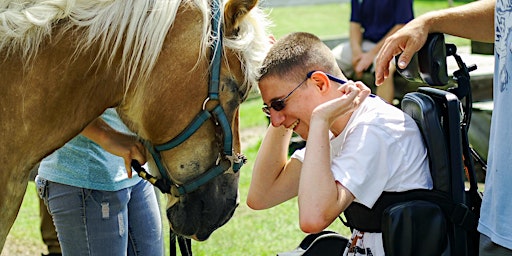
94,222
489,248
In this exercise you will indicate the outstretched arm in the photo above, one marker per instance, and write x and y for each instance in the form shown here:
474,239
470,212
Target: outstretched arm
473,21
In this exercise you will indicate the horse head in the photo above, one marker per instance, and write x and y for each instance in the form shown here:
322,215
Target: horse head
187,111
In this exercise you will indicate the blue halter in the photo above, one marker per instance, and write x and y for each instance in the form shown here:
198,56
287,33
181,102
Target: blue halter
217,114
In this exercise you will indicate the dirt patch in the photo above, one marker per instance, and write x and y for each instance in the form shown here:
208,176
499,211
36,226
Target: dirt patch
252,135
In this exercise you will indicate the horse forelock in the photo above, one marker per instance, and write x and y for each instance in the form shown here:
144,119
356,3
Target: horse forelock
251,44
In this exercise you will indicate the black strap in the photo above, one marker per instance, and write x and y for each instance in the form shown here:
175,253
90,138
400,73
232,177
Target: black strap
365,219
185,245
172,243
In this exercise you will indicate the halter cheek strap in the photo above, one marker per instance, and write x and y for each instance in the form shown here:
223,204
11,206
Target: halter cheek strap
217,114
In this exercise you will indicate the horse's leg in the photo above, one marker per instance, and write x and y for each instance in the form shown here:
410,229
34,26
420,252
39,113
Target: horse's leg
12,189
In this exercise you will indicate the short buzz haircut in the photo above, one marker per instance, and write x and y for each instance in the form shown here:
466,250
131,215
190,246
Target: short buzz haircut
296,54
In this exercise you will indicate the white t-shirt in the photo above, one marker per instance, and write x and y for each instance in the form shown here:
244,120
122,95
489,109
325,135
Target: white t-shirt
380,149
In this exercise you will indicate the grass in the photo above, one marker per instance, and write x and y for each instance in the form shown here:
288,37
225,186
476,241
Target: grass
249,232
332,20
25,238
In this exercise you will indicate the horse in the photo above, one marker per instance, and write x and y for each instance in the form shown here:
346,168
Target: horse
63,62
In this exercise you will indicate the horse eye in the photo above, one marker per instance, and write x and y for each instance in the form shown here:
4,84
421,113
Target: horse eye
233,34
236,32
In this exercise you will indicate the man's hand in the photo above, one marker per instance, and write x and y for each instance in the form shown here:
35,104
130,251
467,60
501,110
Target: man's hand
352,95
408,40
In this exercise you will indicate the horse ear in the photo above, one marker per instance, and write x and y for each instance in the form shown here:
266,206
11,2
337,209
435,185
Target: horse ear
234,12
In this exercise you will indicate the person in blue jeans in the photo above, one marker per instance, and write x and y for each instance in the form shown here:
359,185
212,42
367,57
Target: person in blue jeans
96,207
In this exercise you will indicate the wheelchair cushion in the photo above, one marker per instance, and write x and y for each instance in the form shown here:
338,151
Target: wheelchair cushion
414,228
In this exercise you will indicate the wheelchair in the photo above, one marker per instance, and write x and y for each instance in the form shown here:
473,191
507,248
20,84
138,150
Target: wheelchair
444,224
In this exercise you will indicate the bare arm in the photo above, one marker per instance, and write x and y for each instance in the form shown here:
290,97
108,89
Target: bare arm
114,142
356,39
275,179
321,198
473,21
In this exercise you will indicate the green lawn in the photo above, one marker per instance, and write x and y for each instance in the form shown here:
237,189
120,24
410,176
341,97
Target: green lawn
332,20
249,232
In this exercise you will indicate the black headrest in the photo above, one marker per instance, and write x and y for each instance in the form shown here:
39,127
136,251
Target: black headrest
428,65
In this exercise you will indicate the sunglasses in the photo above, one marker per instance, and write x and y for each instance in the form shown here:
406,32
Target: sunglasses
279,104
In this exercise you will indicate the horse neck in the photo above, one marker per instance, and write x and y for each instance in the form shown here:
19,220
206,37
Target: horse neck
50,101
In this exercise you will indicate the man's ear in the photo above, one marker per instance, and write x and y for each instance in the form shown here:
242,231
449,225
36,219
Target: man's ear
321,80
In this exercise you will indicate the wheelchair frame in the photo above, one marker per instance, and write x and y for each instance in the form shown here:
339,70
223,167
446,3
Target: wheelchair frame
444,122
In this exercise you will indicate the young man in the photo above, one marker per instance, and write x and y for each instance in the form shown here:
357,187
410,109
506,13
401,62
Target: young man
489,20
358,146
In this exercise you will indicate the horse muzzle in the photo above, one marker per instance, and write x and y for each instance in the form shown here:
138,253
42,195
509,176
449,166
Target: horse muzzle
203,211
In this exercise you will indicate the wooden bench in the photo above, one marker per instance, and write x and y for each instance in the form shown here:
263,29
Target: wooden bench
481,78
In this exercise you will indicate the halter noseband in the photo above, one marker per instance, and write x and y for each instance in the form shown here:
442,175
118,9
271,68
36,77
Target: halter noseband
217,114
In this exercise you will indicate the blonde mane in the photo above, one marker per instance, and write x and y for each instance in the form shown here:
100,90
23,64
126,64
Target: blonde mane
143,25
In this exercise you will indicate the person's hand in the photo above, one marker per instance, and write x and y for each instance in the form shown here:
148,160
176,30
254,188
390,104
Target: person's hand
408,40
126,146
352,95
120,144
365,61
356,58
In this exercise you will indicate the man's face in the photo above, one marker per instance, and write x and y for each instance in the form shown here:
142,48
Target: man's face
288,102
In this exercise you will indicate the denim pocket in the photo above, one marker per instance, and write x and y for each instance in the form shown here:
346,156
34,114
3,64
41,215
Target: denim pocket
42,188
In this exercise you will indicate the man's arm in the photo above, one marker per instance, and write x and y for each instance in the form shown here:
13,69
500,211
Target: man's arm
356,40
275,179
321,198
473,21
